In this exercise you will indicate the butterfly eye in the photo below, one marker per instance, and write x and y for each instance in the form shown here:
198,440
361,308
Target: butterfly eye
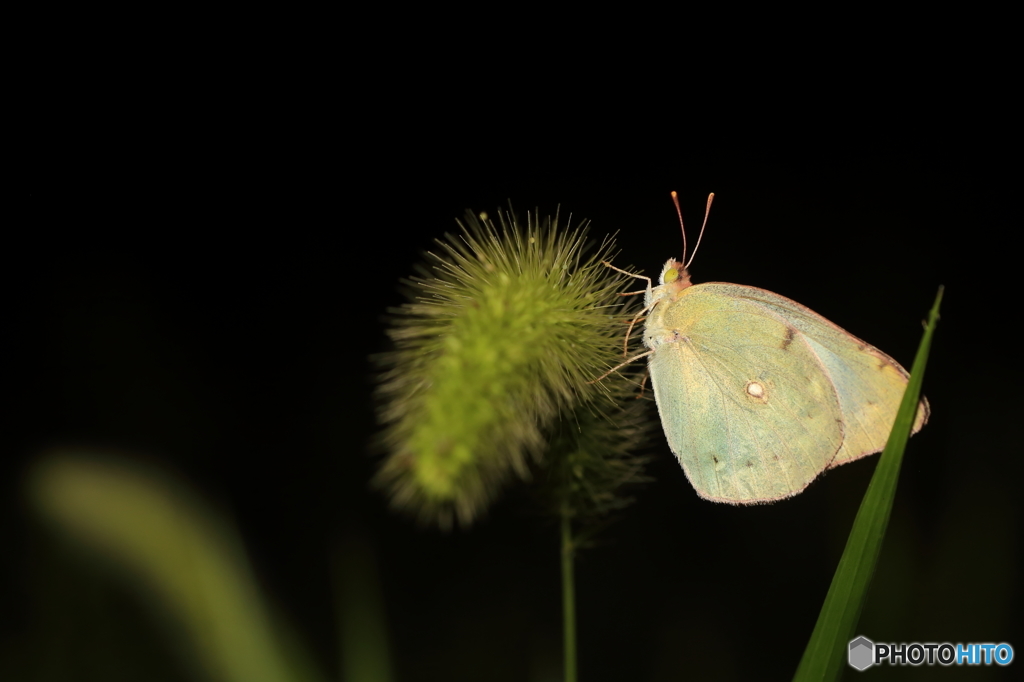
670,276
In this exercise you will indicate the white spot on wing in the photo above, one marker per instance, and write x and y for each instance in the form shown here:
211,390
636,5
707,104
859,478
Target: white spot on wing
756,390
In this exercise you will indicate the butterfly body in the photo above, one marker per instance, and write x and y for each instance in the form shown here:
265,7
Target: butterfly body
757,394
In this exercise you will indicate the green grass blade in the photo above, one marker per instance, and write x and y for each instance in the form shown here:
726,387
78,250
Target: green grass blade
362,623
825,654
188,562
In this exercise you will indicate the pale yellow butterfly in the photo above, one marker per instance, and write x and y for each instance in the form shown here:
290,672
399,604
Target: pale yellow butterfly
757,394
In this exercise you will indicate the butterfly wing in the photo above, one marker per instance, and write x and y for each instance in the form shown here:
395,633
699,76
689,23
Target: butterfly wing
746,406
869,383
758,394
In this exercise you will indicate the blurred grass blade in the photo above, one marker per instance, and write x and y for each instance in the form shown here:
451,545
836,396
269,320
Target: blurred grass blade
362,622
825,654
188,560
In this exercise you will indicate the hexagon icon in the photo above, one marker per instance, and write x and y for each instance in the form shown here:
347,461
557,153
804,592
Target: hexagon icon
862,653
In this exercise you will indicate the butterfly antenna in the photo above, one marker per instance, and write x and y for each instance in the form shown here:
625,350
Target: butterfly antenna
707,210
675,200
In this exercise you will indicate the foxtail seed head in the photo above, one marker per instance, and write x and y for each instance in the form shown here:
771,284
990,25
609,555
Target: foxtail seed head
499,338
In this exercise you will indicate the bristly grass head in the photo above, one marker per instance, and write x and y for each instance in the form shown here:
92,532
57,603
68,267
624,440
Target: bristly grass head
591,462
501,336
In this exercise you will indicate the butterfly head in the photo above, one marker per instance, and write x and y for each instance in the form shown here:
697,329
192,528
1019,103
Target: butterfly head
674,276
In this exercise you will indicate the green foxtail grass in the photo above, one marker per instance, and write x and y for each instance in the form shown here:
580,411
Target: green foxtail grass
590,466
499,338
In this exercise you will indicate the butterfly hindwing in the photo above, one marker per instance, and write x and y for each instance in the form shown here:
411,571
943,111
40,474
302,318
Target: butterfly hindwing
870,384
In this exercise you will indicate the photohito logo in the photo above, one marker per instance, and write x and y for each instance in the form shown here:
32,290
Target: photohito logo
864,653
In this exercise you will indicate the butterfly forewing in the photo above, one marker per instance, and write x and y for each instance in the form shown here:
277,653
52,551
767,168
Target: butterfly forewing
746,404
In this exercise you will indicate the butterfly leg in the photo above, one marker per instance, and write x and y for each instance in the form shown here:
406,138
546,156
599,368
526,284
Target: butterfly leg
642,384
619,366
625,344
631,274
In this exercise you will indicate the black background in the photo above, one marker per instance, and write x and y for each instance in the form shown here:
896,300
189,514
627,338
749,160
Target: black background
199,275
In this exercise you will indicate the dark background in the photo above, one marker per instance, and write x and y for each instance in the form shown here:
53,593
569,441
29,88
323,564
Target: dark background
198,281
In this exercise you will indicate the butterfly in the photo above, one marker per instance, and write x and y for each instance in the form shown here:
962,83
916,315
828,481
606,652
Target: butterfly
758,395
